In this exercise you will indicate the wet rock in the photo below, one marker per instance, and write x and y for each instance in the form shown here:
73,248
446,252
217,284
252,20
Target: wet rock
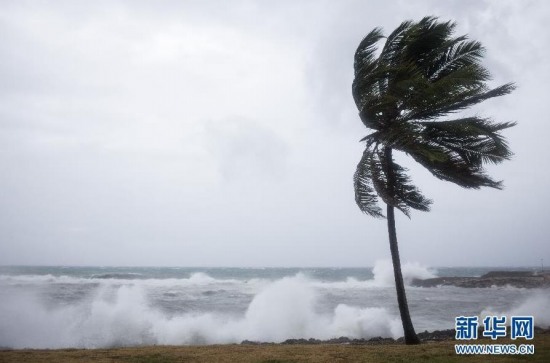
520,279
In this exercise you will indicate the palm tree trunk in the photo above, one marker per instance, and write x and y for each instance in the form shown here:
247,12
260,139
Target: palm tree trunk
408,329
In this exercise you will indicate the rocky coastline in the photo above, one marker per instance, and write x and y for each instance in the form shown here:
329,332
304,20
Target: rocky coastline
426,336
519,279
437,335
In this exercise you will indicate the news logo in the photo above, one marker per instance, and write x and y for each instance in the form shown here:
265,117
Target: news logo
494,327
522,327
466,327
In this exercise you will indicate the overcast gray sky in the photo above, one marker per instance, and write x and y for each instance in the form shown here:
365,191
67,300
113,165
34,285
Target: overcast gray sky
223,133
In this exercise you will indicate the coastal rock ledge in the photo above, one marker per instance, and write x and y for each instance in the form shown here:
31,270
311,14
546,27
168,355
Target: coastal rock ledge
521,279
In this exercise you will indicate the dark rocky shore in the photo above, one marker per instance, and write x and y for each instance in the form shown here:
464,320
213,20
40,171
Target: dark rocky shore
521,279
434,336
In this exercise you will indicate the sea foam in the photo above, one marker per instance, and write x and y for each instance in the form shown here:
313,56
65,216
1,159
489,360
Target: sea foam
123,316
55,311
384,276
536,303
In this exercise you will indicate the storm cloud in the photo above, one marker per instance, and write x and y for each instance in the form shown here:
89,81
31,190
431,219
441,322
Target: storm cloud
219,133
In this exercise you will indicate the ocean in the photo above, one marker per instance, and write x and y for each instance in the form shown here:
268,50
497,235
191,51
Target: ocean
93,307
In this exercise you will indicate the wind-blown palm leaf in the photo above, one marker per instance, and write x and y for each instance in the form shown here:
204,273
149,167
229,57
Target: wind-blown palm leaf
373,171
405,194
456,100
475,140
460,164
456,170
364,55
365,63
421,75
365,196
455,55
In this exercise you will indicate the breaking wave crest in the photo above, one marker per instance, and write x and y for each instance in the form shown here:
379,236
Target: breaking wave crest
382,276
196,279
383,272
534,304
123,316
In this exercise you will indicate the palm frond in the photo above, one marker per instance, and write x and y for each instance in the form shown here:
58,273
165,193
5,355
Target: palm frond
364,65
365,196
475,140
395,42
455,55
452,102
402,194
422,74
378,176
364,55
425,41
453,168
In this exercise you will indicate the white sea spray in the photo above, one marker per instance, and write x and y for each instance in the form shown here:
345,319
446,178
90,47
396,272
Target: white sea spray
58,308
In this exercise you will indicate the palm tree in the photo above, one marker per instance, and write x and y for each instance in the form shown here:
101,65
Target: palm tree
422,75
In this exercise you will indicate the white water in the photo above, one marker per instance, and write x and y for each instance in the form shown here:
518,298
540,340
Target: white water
119,312
285,309
535,304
